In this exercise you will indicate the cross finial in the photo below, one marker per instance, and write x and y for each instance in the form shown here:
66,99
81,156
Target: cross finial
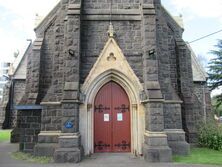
111,30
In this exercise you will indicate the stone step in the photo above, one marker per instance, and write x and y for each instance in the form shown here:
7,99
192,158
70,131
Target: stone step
45,149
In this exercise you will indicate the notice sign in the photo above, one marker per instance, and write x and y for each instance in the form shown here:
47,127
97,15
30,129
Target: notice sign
106,117
119,116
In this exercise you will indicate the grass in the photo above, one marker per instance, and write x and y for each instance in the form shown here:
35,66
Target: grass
30,158
5,135
201,156
197,156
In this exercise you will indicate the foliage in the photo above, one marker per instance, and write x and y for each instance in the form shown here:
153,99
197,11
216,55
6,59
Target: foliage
215,71
5,135
216,108
30,158
218,104
210,135
201,156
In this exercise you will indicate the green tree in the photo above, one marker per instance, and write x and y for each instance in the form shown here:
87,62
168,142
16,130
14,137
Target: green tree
215,72
216,108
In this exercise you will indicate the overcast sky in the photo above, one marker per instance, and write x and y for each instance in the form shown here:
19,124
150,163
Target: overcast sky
17,19
200,19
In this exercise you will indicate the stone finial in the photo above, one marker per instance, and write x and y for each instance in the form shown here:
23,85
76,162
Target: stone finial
11,70
111,30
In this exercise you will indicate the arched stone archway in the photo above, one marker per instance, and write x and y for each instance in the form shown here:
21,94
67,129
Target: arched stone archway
136,115
111,65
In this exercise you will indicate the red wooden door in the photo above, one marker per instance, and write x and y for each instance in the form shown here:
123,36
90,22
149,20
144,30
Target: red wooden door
112,120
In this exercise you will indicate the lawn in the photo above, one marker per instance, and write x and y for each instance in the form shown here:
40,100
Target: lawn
197,156
201,156
30,158
5,135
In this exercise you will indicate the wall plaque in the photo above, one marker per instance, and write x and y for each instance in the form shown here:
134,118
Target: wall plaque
68,124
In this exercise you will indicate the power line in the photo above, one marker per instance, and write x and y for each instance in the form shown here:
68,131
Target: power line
205,36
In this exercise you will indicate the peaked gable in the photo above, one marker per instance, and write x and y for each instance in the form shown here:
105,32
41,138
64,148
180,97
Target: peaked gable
21,65
199,73
111,58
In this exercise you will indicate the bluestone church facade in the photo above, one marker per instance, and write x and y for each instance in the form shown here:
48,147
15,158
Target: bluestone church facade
108,76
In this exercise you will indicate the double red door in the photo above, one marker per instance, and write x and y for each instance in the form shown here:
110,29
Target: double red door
112,119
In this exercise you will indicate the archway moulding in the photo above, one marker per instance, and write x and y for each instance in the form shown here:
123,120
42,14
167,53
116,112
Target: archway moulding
112,65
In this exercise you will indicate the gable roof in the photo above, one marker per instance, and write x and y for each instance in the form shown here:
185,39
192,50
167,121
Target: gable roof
111,59
21,64
199,74
43,22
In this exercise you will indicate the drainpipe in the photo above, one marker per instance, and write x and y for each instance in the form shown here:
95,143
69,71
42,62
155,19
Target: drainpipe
11,101
204,102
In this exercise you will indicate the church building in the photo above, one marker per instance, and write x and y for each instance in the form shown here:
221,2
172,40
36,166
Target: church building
107,76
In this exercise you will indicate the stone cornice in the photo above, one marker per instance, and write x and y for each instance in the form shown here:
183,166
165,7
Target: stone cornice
50,103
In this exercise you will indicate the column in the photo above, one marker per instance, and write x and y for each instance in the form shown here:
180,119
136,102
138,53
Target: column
155,147
70,149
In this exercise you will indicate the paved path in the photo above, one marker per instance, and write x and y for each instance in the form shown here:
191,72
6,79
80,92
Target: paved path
97,160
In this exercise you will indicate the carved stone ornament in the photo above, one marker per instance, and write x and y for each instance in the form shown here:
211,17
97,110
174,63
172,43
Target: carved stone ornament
111,57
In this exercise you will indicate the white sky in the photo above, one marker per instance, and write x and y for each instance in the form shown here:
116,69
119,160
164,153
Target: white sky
17,18
200,18
17,22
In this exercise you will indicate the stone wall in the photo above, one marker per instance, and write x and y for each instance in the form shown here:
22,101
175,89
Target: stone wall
117,4
202,93
199,90
4,106
199,95
172,116
128,37
29,125
18,90
190,106
163,55
167,32
46,62
69,43
154,117
53,53
173,60
13,92
51,118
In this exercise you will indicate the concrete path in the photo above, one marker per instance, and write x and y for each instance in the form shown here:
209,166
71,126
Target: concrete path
97,160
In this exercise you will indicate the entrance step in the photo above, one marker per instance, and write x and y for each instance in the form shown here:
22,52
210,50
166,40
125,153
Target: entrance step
113,158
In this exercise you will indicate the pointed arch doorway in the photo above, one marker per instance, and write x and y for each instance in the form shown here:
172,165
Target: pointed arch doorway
112,65
112,119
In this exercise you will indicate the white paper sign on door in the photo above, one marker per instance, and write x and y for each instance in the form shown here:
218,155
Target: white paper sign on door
106,117
119,116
